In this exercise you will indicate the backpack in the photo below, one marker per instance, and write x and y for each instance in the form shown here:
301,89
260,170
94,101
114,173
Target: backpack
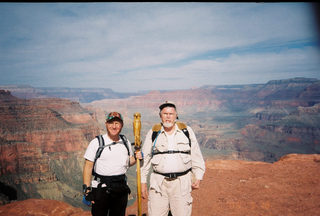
102,146
156,130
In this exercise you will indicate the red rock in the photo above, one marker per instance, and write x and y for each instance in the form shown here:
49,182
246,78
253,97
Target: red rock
41,207
38,138
288,187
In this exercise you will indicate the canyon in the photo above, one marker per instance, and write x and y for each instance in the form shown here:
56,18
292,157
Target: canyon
43,138
42,142
249,122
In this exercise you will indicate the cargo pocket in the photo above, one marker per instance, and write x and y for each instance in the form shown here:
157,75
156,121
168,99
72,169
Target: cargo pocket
155,161
185,158
186,187
189,202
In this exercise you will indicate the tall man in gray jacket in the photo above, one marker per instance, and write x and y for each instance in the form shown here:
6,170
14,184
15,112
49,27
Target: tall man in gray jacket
172,150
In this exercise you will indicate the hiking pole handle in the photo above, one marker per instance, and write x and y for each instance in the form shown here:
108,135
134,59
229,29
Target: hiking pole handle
137,145
137,129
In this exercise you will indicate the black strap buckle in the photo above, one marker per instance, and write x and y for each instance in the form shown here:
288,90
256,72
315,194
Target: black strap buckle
172,176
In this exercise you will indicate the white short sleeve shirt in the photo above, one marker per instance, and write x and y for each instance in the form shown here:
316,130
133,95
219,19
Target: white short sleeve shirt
114,159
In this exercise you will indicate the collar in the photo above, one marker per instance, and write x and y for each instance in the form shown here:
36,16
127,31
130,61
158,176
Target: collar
176,129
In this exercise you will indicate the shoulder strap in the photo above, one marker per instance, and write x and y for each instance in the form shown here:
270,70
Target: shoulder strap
99,151
155,130
183,127
125,142
101,147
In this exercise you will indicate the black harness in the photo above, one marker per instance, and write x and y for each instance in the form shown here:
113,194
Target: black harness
173,175
170,176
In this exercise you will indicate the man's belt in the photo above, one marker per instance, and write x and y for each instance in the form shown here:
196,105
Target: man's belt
109,179
173,175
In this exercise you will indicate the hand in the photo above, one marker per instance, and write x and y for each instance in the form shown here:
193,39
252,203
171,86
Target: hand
195,185
86,189
138,155
87,195
144,190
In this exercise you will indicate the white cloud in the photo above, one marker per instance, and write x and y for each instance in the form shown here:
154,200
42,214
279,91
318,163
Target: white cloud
146,44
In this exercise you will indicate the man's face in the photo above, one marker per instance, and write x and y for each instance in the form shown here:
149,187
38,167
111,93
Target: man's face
168,116
114,127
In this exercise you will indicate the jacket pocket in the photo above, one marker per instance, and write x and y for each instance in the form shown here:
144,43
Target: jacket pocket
186,158
156,159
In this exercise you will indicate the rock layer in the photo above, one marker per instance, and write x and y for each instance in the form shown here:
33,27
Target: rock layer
34,136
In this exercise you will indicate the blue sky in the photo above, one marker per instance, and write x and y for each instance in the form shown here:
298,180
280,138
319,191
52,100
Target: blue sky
155,46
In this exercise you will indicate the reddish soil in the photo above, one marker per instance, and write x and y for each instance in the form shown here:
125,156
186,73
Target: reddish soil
289,187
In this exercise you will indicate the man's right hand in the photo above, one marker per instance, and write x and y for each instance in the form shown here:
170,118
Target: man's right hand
144,190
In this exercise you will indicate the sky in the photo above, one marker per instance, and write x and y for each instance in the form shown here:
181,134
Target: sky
131,47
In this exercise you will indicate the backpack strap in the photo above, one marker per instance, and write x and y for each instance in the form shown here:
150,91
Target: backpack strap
99,151
183,127
156,130
171,152
102,146
125,142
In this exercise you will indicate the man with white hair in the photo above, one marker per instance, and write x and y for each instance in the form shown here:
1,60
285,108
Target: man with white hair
172,150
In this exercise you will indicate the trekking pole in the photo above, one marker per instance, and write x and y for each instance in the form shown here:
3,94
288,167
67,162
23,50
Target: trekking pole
137,146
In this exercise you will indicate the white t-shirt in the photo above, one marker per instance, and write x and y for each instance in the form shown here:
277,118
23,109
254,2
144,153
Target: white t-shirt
114,159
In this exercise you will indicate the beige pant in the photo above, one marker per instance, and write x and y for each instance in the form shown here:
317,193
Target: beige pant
170,197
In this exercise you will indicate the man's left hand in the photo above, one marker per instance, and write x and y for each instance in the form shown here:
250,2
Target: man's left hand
138,155
195,185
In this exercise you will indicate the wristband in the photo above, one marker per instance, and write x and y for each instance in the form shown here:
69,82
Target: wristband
85,188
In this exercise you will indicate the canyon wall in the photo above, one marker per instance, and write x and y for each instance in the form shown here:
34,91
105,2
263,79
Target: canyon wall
250,122
42,142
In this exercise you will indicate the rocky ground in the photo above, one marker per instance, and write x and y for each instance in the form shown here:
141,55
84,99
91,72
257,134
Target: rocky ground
288,187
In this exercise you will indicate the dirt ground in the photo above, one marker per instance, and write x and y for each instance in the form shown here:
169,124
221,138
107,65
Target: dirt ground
289,187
